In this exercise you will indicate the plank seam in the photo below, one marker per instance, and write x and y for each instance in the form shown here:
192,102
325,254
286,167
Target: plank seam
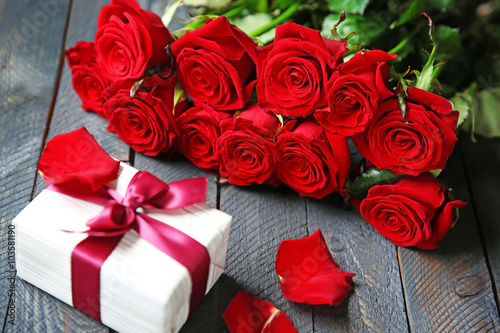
481,238
403,288
131,156
54,94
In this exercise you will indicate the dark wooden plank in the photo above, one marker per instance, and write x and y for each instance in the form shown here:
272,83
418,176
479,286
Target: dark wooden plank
36,309
449,289
31,35
377,303
262,217
204,318
68,114
482,163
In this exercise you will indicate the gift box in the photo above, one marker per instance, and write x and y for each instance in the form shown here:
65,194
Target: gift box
142,289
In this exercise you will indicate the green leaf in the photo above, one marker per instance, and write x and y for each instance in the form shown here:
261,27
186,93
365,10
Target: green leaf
169,12
249,23
284,4
444,5
448,42
361,184
350,6
367,28
487,117
257,6
463,102
415,10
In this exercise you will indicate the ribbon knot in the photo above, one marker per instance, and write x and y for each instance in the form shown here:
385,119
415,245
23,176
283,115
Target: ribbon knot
120,213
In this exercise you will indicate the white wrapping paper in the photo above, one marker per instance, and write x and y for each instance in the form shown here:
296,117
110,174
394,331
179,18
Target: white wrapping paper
142,289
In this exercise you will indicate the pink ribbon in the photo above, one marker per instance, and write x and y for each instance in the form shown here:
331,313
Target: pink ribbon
119,216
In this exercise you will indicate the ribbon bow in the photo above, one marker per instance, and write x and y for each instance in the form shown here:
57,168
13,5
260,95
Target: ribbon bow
122,214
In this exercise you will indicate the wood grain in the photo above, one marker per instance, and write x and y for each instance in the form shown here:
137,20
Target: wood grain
262,217
36,308
449,289
376,304
482,162
31,35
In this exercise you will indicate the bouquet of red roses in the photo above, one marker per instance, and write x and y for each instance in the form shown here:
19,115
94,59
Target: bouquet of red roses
281,113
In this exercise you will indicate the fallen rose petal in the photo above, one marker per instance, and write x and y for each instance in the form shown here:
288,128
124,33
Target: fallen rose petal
308,273
77,156
251,314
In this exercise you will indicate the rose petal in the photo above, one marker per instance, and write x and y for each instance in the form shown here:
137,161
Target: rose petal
251,314
308,273
441,224
77,156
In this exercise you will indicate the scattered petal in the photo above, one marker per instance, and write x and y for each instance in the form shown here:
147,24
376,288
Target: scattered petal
77,156
251,314
308,273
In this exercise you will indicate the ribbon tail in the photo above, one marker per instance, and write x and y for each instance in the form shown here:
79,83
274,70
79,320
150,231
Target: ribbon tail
181,247
87,259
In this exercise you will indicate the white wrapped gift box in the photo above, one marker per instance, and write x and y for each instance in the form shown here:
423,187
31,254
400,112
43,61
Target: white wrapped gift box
141,288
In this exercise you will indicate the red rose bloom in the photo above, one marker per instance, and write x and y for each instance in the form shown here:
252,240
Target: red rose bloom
87,78
129,40
245,150
293,71
421,142
146,122
416,211
354,93
313,163
215,65
200,127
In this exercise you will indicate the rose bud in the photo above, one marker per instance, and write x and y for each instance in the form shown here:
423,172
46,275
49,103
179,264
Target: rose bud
294,70
314,163
415,211
130,40
216,65
354,93
87,78
422,141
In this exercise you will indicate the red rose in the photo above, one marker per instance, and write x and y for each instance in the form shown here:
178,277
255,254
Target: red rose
245,150
129,40
199,128
354,93
215,65
421,142
313,163
416,211
87,79
293,71
146,122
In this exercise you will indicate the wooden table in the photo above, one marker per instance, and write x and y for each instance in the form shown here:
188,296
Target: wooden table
451,289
